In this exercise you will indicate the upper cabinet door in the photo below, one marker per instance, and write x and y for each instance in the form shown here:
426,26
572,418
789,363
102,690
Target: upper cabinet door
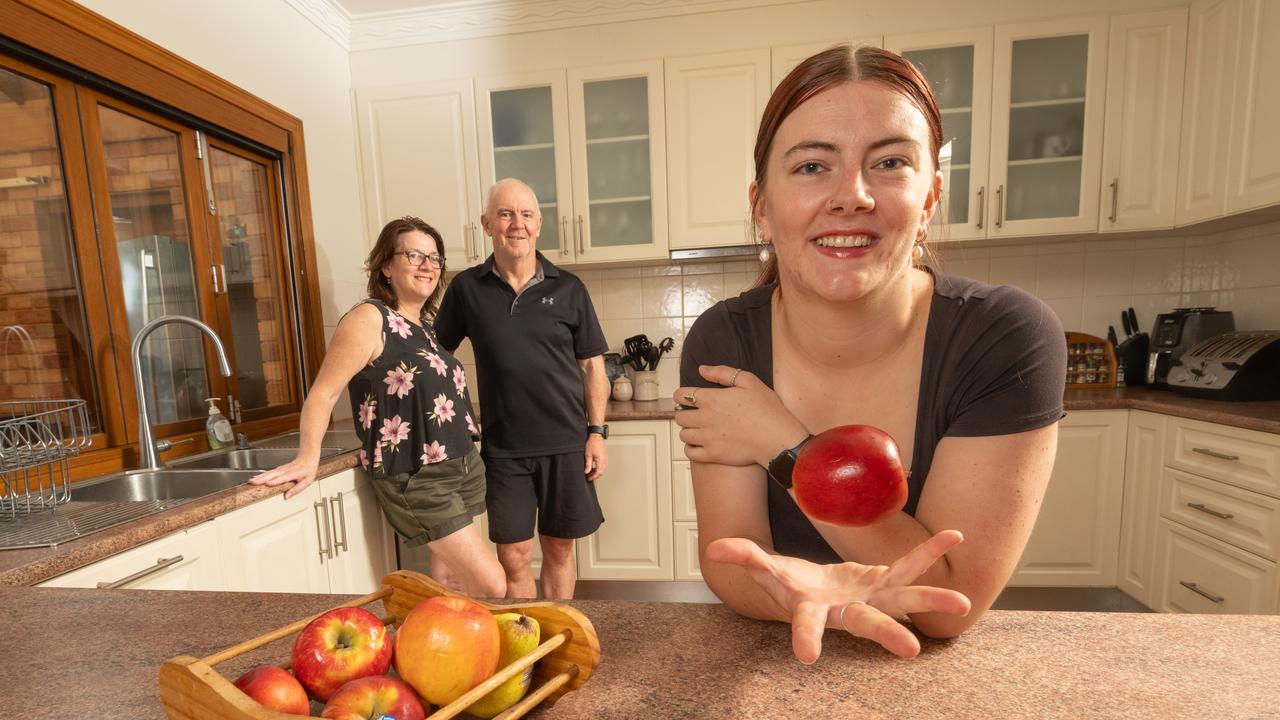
958,67
1046,127
787,57
418,157
524,134
1143,118
617,127
714,103
1253,175
1206,114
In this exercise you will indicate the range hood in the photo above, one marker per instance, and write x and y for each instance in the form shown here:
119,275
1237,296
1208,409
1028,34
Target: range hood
726,252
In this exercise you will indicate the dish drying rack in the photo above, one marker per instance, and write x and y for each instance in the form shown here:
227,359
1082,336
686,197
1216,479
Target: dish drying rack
37,440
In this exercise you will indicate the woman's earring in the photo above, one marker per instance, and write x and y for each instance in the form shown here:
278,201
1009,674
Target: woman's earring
766,252
386,281
917,252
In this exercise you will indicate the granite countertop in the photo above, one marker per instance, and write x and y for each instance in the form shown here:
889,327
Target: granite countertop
676,660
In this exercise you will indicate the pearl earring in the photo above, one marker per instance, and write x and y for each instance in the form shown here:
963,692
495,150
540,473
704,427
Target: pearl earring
766,252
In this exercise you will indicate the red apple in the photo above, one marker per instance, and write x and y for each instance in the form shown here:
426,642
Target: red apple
374,698
850,475
339,646
446,646
273,687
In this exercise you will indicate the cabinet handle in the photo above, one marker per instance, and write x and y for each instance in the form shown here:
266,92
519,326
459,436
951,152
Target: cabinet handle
1196,589
1210,511
1216,454
582,249
1000,206
161,563
322,528
476,241
214,270
564,232
982,205
1115,192
341,512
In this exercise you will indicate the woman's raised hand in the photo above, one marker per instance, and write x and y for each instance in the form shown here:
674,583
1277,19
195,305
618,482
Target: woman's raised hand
296,471
864,600
742,423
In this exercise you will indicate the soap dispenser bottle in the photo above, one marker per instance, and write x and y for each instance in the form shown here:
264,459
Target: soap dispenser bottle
217,426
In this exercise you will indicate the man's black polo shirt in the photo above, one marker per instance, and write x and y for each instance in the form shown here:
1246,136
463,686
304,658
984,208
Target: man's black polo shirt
527,350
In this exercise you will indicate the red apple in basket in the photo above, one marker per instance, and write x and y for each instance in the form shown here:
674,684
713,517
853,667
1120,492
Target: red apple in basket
274,688
446,646
849,475
374,698
339,646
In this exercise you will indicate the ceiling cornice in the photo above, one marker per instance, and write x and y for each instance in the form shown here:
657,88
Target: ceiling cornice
332,19
482,18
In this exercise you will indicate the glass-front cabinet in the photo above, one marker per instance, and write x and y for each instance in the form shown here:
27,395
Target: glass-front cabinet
591,145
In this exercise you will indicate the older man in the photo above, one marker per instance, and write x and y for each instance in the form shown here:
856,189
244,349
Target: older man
543,389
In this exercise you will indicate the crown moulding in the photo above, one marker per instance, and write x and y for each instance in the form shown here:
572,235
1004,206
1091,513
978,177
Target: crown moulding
468,19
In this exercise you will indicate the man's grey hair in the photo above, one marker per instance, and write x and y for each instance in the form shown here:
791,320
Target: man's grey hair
503,183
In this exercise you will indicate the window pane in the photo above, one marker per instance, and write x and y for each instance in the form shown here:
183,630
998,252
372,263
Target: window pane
149,213
45,350
256,299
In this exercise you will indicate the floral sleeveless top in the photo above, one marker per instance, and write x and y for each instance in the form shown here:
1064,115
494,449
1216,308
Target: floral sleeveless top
410,405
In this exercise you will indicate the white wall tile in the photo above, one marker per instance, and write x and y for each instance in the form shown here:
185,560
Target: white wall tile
661,296
621,298
1060,275
1109,273
1019,271
1069,311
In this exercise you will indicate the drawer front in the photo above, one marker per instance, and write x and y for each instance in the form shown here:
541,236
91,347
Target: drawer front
1245,519
682,506
1244,458
687,566
1203,575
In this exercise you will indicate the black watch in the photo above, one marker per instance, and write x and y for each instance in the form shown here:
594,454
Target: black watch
601,430
781,467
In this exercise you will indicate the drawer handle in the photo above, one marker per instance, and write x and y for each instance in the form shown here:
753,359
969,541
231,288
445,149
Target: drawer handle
337,507
1205,509
1216,454
161,563
323,533
1196,589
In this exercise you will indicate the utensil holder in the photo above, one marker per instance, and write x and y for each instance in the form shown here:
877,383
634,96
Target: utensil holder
646,385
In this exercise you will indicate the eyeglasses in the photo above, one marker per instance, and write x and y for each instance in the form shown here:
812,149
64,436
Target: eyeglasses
416,258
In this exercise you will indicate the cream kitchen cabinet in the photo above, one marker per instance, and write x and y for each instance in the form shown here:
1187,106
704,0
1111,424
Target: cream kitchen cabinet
363,541
1144,460
185,560
1145,69
635,541
684,513
591,143
786,57
418,156
713,107
1230,151
1077,535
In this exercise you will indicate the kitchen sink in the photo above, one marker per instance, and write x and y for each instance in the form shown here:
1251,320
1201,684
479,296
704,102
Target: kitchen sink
169,484
248,459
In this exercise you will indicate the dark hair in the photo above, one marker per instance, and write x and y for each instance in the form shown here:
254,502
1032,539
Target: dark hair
384,252
831,67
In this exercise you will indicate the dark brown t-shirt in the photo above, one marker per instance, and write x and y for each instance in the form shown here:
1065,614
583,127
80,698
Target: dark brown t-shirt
995,361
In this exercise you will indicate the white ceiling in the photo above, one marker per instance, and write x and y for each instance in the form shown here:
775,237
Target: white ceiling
356,8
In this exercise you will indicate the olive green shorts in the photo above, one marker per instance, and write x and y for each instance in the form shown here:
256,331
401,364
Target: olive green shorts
439,500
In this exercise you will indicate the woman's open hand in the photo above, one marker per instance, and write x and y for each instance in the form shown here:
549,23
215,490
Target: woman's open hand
297,471
870,597
742,423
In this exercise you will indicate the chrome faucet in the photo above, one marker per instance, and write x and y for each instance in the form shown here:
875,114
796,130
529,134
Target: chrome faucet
147,447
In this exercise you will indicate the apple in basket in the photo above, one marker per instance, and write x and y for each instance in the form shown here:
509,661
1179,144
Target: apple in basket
850,475
274,688
373,698
446,645
339,646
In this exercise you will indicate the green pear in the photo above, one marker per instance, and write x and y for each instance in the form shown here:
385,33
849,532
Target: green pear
519,636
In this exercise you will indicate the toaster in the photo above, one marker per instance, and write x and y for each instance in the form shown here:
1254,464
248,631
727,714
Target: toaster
1177,332
1230,366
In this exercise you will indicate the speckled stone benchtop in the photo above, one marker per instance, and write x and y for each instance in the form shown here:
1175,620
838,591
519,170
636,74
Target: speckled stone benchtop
97,653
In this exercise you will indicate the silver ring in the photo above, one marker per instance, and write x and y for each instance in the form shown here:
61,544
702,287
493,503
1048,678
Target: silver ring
846,607
733,380
690,397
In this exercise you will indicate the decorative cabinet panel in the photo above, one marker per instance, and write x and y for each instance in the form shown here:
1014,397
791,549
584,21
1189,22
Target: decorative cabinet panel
1253,171
1144,459
1206,118
363,541
1201,574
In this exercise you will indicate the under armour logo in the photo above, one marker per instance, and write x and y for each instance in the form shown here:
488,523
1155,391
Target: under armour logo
548,301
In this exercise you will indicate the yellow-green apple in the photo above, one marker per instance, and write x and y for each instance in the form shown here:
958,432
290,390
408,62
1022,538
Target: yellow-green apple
339,646
273,687
518,635
850,475
377,697
446,645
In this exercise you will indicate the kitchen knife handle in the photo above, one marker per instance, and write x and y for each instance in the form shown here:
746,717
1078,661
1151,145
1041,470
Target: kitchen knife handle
161,563
1115,192
1196,589
1216,454
1000,206
982,205
1210,511
1133,320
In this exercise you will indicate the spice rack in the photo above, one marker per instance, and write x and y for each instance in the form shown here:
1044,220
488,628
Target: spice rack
1091,362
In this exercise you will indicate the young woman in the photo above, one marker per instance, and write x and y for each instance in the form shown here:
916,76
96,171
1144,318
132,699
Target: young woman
846,326
411,408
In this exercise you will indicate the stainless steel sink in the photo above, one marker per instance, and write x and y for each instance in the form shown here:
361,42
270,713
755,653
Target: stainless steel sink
248,459
174,483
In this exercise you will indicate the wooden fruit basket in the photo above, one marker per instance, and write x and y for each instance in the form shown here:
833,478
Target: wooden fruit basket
191,689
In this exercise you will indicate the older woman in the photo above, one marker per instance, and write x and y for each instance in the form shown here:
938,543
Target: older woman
847,326
411,408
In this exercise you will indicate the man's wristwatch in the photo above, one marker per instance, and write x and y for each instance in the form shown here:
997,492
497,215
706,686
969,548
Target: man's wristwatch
781,467
601,430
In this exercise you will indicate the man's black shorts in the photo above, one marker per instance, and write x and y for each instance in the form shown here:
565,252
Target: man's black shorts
551,488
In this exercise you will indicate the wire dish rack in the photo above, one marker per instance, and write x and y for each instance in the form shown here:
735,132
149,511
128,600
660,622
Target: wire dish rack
37,440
